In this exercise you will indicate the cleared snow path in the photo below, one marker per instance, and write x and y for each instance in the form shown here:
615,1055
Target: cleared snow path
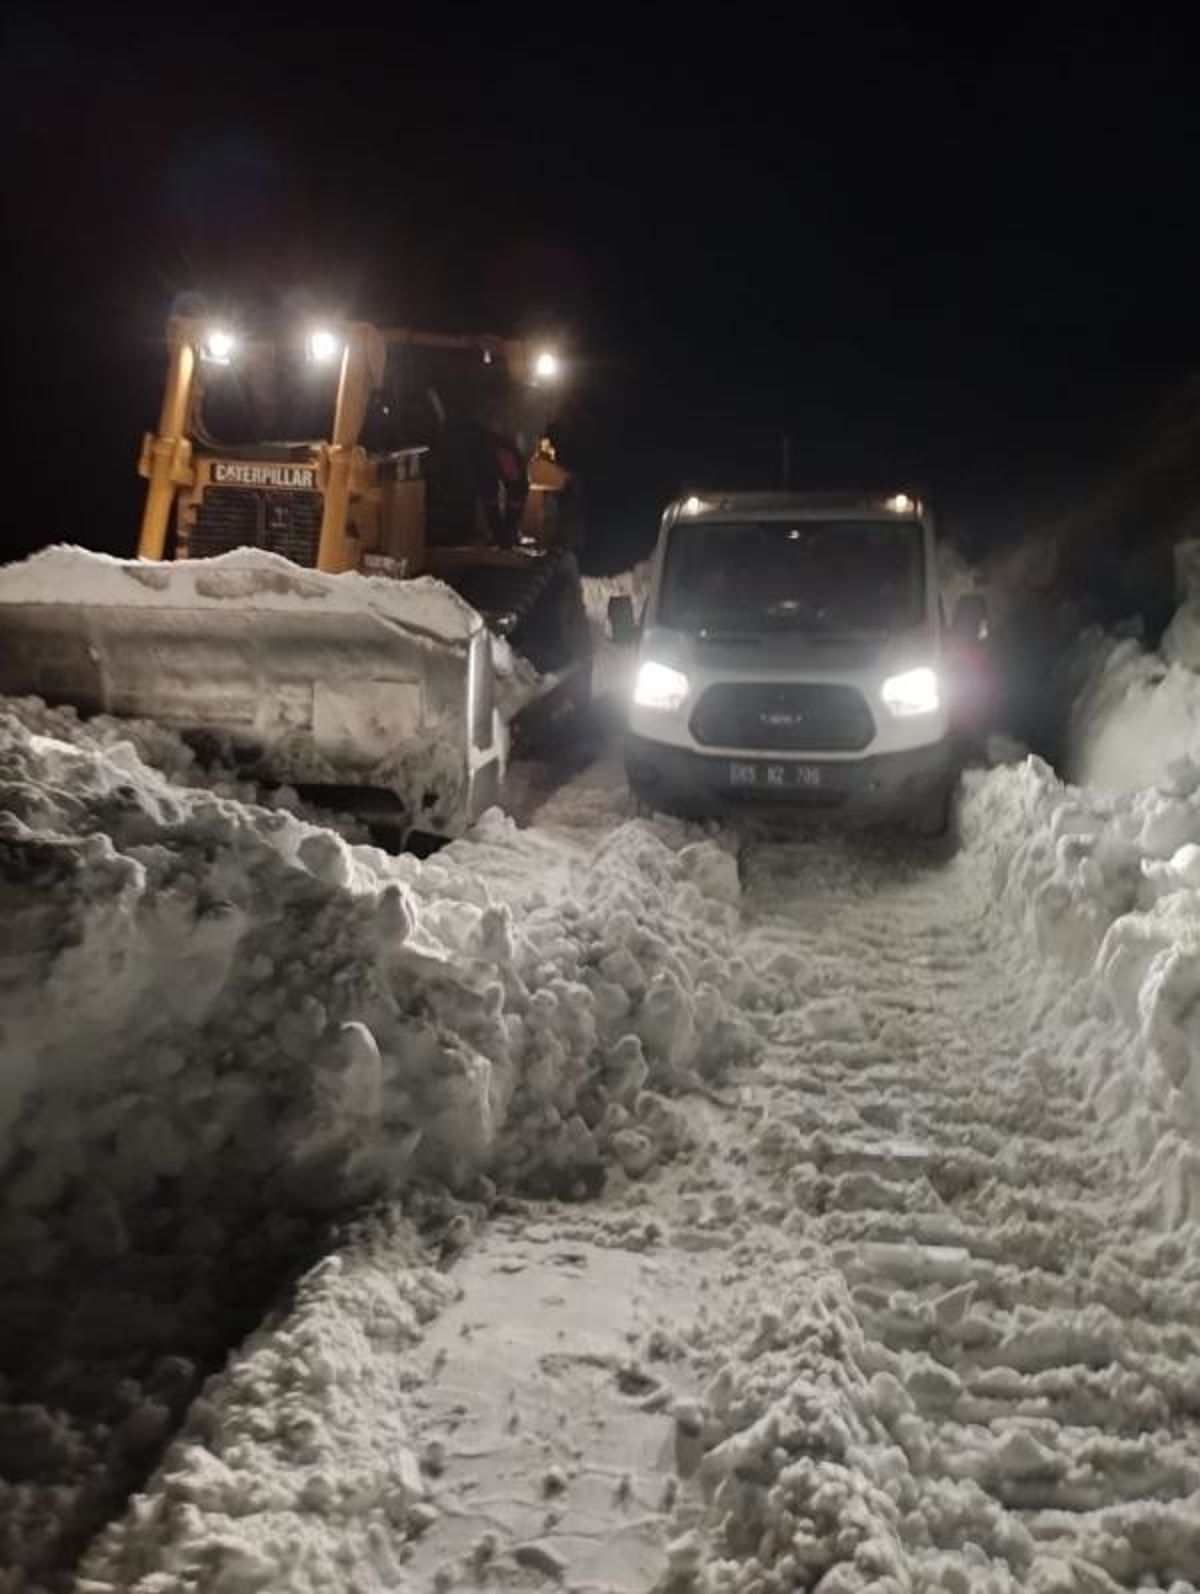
896,1323
894,1320
1018,1328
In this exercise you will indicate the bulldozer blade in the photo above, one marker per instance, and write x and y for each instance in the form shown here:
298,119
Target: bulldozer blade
322,695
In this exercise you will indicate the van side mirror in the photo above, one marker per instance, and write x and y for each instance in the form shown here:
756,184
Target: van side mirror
970,622
622,623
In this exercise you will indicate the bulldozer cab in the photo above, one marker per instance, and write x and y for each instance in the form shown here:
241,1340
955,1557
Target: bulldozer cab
477,423
352,448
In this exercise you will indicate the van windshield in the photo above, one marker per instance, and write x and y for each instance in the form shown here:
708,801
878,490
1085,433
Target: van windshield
831,577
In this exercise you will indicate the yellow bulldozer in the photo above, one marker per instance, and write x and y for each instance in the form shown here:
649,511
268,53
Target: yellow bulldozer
281,609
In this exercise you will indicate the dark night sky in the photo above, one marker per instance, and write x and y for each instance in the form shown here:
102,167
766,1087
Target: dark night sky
967,261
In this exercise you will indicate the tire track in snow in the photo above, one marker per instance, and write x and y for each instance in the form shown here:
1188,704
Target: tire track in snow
1041,1336
891,1323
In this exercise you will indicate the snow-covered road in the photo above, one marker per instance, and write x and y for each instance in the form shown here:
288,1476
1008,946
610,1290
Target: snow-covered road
895,1318
896,1313
1016,1323
711,1210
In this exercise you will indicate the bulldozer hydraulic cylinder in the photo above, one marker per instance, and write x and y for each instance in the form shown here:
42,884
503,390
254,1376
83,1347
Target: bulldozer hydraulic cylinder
331,550
172,426
361,368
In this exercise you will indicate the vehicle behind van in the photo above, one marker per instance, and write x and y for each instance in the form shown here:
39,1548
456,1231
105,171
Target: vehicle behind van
792,652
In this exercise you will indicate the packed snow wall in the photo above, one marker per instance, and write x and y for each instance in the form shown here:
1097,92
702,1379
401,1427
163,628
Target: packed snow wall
324,1016
1136,716
1103,870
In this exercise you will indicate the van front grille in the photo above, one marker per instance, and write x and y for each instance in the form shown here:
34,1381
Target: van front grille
808,717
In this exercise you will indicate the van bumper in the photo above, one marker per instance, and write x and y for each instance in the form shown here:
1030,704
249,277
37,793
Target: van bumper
881,786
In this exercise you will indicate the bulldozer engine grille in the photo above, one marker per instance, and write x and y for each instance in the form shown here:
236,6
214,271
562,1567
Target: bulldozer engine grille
287,523
803,717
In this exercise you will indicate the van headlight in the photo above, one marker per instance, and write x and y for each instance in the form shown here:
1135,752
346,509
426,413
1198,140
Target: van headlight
659,686
914,692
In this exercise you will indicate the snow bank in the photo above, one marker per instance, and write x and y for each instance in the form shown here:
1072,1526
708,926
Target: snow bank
276,1478
597,590
1104,877
1136,715
164,751
325,1004
1107,888
220,1023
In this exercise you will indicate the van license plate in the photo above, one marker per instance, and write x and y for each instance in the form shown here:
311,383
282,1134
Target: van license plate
776,777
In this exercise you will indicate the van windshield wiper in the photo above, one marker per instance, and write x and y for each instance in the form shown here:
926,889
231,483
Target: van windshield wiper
740,636
823,625
820,625
792,611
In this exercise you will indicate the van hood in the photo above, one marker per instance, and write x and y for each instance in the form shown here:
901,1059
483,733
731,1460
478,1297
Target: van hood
787,652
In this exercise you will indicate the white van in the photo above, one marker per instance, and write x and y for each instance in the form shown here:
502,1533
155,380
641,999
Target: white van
791,651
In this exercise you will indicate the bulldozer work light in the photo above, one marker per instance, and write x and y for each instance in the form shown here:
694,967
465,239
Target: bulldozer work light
323,345
219,345
900,503
546,367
